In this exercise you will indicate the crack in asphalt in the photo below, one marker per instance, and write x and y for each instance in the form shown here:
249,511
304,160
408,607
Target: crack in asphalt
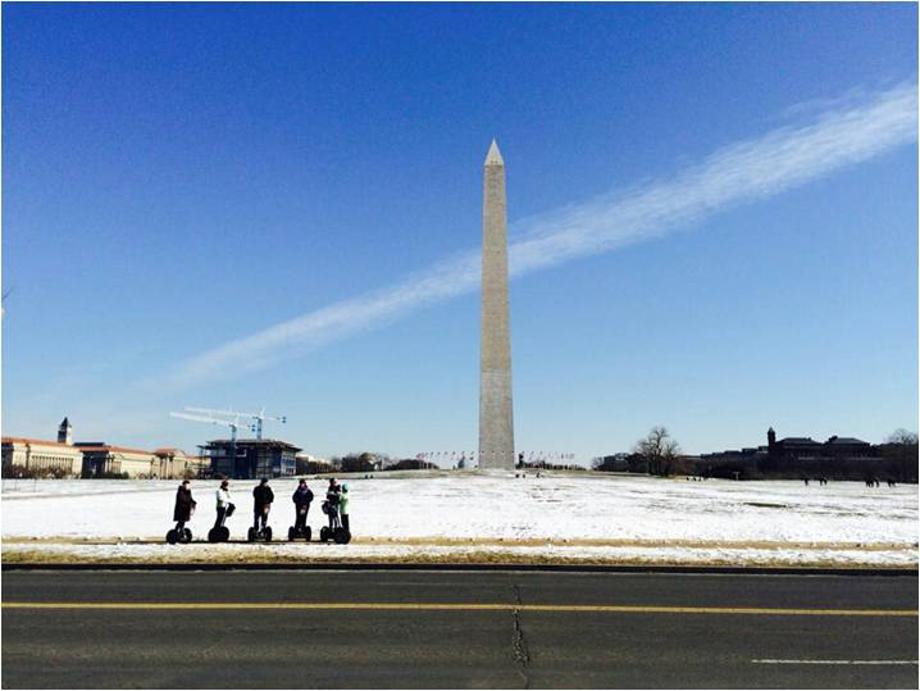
518,641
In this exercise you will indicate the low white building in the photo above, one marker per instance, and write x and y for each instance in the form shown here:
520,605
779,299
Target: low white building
101,460
40,456
171,464
64,458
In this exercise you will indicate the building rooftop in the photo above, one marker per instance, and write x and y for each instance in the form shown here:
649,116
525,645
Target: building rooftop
26,440
94,446
846,440
168,451
274,443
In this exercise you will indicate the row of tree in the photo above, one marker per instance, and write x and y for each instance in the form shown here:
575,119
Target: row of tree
655,454
368,462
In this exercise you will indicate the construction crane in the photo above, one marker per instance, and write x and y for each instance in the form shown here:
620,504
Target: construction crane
256,426
234,426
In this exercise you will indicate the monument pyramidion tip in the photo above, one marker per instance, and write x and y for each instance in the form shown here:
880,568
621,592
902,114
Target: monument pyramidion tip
494,157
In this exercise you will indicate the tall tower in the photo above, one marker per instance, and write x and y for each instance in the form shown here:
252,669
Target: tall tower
496,426
65,432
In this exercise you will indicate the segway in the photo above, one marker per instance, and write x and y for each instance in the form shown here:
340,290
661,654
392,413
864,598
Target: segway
336,532
305,533
221,533
341,536
262,534
184,536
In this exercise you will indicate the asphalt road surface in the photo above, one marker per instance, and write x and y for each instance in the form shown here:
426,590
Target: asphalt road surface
430,629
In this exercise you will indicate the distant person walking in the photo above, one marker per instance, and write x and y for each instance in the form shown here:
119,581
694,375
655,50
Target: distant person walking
262,504
182,513
223,503
302,498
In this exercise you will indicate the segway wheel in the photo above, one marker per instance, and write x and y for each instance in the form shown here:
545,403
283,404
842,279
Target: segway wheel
224,534
214,535
172,537
251,535
291,534
268,533
324,534
186,535
341,536
308,534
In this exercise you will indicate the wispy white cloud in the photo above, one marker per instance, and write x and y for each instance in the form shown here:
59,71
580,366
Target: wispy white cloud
754,169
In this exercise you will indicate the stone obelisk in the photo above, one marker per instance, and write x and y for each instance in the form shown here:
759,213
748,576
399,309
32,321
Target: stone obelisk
496,428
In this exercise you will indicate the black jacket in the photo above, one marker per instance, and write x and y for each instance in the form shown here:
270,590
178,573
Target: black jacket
301,497
184,504
263,495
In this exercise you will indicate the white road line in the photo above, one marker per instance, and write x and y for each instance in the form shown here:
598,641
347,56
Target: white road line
835,662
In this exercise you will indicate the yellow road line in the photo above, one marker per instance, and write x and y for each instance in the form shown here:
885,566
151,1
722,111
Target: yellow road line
460,607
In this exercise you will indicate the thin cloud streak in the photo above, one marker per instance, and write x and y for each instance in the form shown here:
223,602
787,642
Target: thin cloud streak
755,169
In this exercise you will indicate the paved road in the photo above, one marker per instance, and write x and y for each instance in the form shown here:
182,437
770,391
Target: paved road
361,629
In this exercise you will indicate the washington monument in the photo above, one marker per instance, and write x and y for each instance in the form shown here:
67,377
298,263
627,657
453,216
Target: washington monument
496,426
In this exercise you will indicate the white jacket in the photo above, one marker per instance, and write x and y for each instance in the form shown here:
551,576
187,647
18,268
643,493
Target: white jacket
223,498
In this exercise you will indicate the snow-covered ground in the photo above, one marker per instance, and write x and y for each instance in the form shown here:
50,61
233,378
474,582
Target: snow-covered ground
468,517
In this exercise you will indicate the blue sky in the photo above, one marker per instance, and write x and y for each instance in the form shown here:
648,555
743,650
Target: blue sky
177,178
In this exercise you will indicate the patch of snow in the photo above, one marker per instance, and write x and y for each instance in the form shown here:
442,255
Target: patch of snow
556,507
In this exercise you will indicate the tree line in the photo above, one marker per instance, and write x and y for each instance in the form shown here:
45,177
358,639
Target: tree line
658,453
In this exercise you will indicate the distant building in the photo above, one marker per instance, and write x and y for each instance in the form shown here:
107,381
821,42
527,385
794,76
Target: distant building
793,457
93,459
840,456
171,463
101,460
198,466
735,464
254,458
38,457
615,463
309,458
307,464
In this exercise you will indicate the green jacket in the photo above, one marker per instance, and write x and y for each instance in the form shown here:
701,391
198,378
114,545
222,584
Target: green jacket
343,503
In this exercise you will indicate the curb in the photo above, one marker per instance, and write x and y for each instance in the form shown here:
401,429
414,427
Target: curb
550,568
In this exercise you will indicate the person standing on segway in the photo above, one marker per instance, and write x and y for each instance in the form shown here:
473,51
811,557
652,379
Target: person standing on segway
263,496
331,509
182,514
223,503
302,498
343,507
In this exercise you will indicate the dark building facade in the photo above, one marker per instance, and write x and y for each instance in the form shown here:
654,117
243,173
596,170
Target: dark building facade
734,464
843,458
255,458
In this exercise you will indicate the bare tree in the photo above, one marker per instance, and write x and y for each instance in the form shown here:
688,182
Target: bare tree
659,451
901,450
902,436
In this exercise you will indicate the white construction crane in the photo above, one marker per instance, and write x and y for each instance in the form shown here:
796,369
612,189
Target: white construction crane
259,417
234,426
